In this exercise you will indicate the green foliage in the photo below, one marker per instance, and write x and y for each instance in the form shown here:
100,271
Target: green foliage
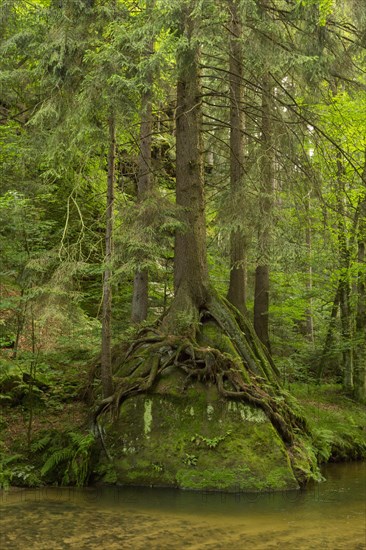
337,423
68,464
190,460
106,472
323,440
211,443
26,475
6,469
63,69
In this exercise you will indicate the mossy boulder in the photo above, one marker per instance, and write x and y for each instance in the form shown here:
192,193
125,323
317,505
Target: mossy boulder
195,439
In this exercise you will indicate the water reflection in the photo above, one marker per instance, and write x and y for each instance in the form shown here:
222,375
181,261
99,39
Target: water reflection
329,515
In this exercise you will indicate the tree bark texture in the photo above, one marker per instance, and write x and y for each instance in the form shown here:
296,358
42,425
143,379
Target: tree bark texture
309,282
190,265
345,286
237,284
106,362
324,359
140,295
360,355
261,291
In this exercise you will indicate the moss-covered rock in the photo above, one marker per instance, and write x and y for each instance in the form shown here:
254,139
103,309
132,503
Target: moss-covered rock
196,440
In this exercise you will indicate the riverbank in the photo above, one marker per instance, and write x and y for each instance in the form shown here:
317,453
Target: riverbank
63,452
338,423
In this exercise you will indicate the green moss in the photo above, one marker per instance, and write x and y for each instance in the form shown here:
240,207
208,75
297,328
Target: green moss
234,446
210,335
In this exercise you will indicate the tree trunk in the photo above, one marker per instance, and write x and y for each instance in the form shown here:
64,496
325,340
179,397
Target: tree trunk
202,335
237,284
360,355
21,313
345,286
261,291
329,337
190,264
144,185
309,327
106,362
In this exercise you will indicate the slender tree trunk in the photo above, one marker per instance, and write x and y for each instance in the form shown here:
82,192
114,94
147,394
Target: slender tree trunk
190,264
32,377
21,313
360,355
237,284
106,360
345,287
144,185
261,291
309,283
330,332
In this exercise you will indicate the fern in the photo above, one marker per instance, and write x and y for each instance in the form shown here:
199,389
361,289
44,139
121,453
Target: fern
6,472
41,444
61,455
72,462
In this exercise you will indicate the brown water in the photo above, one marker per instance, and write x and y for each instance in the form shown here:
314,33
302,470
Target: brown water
330,515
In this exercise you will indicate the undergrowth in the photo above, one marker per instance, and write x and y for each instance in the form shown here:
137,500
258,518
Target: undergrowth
337,423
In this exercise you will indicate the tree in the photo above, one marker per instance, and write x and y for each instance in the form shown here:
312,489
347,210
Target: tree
190,264
237,284
261,291
360,362
106,359
145,177
202,334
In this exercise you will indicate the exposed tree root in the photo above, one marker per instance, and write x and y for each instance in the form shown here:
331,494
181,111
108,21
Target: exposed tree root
248,376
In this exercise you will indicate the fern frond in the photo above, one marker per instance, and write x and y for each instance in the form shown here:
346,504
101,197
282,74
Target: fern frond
56,458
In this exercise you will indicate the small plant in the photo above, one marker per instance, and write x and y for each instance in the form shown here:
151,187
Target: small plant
323,440
71,461
190,460
106,472
157,468
7,470
211,443
26,475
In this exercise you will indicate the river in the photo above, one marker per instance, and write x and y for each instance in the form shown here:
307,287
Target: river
329,515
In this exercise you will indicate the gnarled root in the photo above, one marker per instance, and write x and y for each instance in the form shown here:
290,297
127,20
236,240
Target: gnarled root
245,375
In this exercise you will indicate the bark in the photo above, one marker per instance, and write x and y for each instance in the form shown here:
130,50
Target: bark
140,296
345,286
190,264
237,284
329,338
144,187
360,355
309,283
261,291
106,360
21,312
